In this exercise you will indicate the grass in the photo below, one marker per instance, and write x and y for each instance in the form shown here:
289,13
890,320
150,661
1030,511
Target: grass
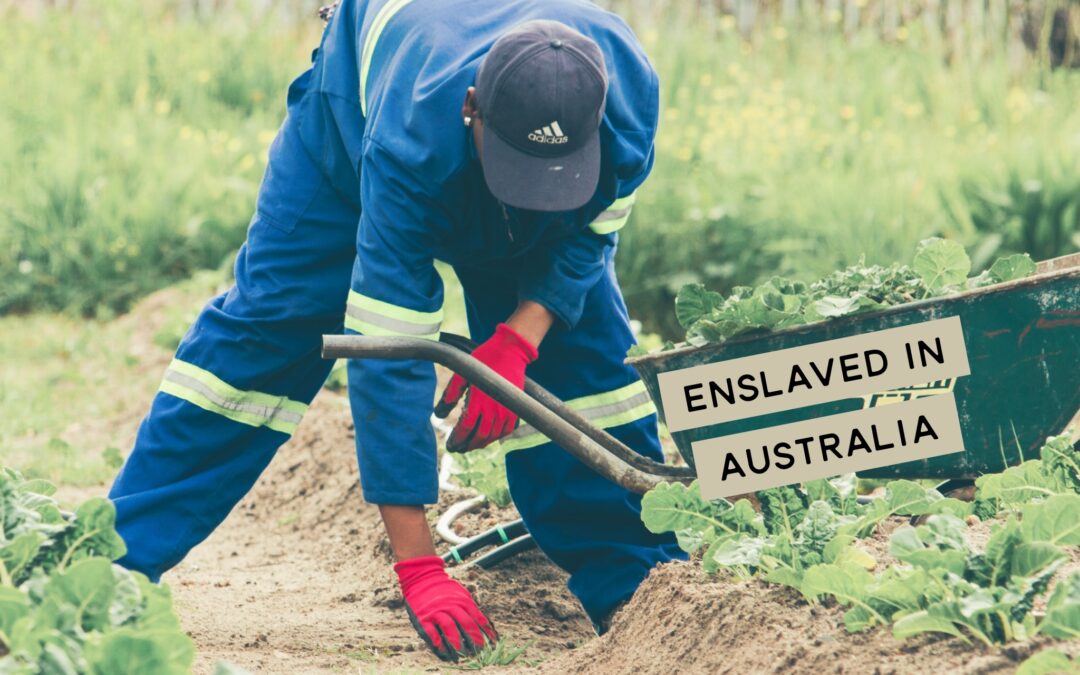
501,653
132,142
73,390
133,160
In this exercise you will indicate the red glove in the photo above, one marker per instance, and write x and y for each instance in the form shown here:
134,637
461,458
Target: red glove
485,420
441,610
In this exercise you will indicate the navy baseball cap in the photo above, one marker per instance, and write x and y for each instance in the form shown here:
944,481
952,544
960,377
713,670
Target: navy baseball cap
541,91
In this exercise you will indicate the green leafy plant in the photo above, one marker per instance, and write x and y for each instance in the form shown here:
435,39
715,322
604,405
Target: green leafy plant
791,533
939,267
1057,471
64,606
484,470
804,538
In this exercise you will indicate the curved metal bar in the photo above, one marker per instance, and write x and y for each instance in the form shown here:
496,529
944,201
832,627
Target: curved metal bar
546,421
579,422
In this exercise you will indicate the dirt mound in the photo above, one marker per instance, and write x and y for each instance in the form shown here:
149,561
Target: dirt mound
682,620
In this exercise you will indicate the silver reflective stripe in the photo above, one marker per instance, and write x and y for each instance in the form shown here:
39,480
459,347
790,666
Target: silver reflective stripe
391,324
613,215
269,413
594,413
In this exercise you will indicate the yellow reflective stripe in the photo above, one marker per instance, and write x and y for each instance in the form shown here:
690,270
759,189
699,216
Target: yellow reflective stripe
204,389
623,202
615,216
378,24
374,317
604,410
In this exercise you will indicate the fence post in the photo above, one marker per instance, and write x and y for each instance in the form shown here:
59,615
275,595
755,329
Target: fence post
746,16
890,19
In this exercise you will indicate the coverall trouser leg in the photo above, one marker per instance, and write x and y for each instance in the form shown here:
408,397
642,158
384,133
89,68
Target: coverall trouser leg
586,524
247,369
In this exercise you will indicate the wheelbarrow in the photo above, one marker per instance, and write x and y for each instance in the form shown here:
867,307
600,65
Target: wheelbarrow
1023,344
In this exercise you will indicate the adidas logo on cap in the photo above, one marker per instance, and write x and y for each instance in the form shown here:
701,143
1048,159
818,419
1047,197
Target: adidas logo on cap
551,135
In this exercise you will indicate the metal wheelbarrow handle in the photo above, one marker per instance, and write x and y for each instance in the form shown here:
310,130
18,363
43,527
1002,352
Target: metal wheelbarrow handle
594,447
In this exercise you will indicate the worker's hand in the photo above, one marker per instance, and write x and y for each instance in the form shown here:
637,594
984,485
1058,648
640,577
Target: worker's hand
485,420
441,610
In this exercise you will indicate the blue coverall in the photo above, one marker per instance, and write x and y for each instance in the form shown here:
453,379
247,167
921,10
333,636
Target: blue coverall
372,177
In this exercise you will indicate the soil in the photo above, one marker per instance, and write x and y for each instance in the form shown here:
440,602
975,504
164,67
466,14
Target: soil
298,580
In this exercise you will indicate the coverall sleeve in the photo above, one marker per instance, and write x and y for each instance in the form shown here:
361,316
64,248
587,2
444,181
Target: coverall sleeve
396,291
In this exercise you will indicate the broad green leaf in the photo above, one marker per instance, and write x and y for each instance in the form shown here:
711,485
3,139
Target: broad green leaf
127,650
691,539
994,566
38,486
13,606
127,597
940,263
850,555
1061,462
1062,618
848,584
833,306
18,553
1016,485
670,507
1011,267
898,590
782,509
841,551
943,531
1048,662
902,498
1031,558
743,517
694,302
1056,520
858,619
785,576
95,532
922,622
741,550
158,613
906,545
56,660
88,586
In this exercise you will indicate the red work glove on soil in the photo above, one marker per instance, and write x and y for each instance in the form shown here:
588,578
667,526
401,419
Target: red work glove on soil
441,610
485,420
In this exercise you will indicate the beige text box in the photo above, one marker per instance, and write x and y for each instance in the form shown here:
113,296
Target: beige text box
901,425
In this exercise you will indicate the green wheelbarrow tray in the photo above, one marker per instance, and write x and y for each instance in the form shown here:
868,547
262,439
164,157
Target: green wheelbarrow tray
1023,344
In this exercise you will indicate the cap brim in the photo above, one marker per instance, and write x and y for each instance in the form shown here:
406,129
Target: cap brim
538,183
